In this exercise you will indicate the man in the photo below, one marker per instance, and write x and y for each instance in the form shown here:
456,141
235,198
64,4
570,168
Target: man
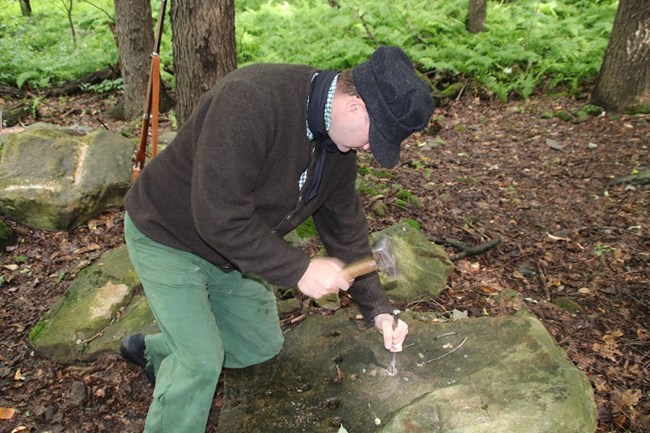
267,147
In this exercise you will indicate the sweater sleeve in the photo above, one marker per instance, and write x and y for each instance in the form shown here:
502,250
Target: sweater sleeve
342,226
233,136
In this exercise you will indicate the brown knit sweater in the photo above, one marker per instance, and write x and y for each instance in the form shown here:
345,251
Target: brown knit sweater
226,188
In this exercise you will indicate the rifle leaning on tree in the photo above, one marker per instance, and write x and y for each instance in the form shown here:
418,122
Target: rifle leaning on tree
151,103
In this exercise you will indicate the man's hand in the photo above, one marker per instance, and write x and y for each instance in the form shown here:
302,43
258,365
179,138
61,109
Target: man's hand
322,278
393,338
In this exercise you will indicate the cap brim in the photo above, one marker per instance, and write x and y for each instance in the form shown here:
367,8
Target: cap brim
385,151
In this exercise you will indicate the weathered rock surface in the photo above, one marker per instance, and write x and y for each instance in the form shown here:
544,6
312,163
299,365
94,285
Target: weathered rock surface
100,307
501,375
55,178
423,267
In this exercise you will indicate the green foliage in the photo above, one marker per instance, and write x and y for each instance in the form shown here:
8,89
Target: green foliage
413,223
408,198
369,188
307,229
602,249
21,259
60,277
591,110
370,182
529,45
106,86
36,330
38,51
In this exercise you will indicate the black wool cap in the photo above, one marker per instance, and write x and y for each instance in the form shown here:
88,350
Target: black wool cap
398,101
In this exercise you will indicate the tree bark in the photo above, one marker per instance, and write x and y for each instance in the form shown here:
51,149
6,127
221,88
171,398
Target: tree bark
623,84
477,13
204,48
25,8
134,27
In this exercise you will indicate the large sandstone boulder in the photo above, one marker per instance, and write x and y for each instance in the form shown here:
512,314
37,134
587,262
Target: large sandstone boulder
55,178
482,375
102,305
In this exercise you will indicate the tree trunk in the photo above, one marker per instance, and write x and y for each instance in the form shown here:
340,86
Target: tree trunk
204,48
476,16
135,42
623,84
25,7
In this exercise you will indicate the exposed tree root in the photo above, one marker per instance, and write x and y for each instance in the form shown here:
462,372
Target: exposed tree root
466,250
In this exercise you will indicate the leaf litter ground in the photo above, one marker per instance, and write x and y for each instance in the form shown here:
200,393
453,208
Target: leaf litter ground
575,248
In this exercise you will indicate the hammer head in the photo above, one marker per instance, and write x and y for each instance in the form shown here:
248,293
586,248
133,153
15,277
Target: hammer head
384,256
383,259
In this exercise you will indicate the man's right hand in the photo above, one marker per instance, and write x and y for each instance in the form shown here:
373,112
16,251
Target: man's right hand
322,278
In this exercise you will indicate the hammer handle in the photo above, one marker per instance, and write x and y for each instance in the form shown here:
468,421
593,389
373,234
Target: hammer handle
358,268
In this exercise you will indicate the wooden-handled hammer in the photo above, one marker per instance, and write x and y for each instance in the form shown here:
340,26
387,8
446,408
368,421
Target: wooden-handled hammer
383,260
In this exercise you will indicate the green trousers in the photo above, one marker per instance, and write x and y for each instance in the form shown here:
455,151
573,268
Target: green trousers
208,320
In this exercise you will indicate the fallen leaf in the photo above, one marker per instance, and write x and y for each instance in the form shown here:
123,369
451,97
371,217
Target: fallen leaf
620,420
518,275
584,290
467,267
553,144
556,238
600,384
7,412
18,375
489,290
19,429
11,267
631,397
458,315
87,249
609,348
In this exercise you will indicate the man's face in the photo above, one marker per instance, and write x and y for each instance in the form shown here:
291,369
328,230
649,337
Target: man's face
350,128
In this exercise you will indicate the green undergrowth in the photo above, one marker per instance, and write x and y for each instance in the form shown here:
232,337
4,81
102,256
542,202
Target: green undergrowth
529,45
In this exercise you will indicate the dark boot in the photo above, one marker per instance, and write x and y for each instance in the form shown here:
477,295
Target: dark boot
132,348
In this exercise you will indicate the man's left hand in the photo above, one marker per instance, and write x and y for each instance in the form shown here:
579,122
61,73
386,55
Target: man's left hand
393,338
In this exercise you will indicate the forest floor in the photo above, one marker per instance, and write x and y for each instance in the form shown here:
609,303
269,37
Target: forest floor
533,174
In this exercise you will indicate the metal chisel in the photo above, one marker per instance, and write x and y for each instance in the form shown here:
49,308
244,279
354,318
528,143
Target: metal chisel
392,370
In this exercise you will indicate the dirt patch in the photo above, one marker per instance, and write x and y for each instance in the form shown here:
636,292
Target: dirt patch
531,173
